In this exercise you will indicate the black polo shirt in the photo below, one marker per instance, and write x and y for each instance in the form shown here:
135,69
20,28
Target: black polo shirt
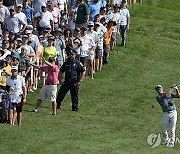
72,69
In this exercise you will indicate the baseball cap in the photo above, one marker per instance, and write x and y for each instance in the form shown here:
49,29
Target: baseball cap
19,5
49,2
18,39
72,52
84,27
158,87
29,27
97,23
41,37
43,5
11,8
25,36
28,31
11,32
14,68
5,41
90,23
51,37
58,30
23,47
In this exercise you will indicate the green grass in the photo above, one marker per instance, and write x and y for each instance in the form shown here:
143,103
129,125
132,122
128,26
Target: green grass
116,113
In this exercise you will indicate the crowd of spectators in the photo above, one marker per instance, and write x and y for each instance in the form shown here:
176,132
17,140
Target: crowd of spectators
33,30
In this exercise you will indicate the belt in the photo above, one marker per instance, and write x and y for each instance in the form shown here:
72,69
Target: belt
169,111
51,84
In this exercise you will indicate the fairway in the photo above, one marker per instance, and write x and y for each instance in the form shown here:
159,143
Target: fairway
115,114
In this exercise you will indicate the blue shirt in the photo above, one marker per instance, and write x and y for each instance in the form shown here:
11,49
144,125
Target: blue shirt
164,102
94,9
59,49
29,13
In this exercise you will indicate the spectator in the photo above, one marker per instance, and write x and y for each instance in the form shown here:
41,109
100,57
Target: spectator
16,86
82,14
91,62
50,50
56,14
48,90
37,5
44,19
124,22
4,12
62,4
60,46
88,46
77,42
13,23
6,52
9,3
20,14
116,18
106,42
29,12
101,30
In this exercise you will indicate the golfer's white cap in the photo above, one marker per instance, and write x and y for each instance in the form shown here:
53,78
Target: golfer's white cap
158,87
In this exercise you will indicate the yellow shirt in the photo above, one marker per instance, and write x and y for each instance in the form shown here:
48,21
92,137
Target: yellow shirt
3,77
49,52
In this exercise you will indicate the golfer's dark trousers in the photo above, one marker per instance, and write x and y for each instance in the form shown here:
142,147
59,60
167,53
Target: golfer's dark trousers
65,87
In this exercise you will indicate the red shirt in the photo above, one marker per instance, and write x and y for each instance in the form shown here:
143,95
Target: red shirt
52,77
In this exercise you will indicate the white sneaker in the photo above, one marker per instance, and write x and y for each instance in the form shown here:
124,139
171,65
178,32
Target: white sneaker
34,88
31,90
171,145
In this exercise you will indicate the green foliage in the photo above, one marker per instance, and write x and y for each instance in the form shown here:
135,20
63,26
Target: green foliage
116,113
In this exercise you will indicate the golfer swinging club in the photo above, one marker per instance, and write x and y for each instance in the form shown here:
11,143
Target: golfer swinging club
169,112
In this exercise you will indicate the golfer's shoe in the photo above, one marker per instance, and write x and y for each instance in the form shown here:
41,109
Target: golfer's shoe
171,145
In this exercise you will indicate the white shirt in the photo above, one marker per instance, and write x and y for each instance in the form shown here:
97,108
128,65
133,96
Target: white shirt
21,16
5,54
114,2
101,31
37,4
46,18
4,12
60,3
94,35
87,43
124,15
35,38
16,86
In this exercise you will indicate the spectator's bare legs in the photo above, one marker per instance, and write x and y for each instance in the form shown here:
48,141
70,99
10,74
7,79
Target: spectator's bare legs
19,118
100,63
35,79
38,104
54,106
14,117
90,63
10,116
97,64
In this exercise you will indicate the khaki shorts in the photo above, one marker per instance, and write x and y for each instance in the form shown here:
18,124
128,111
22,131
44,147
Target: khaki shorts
48,92
90,57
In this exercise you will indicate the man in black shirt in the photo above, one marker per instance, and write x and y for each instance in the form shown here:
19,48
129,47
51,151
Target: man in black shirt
74,74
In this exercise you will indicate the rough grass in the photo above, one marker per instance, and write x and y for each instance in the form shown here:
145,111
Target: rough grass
116,113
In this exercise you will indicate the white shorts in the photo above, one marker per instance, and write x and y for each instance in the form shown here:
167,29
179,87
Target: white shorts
48,92
90,57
